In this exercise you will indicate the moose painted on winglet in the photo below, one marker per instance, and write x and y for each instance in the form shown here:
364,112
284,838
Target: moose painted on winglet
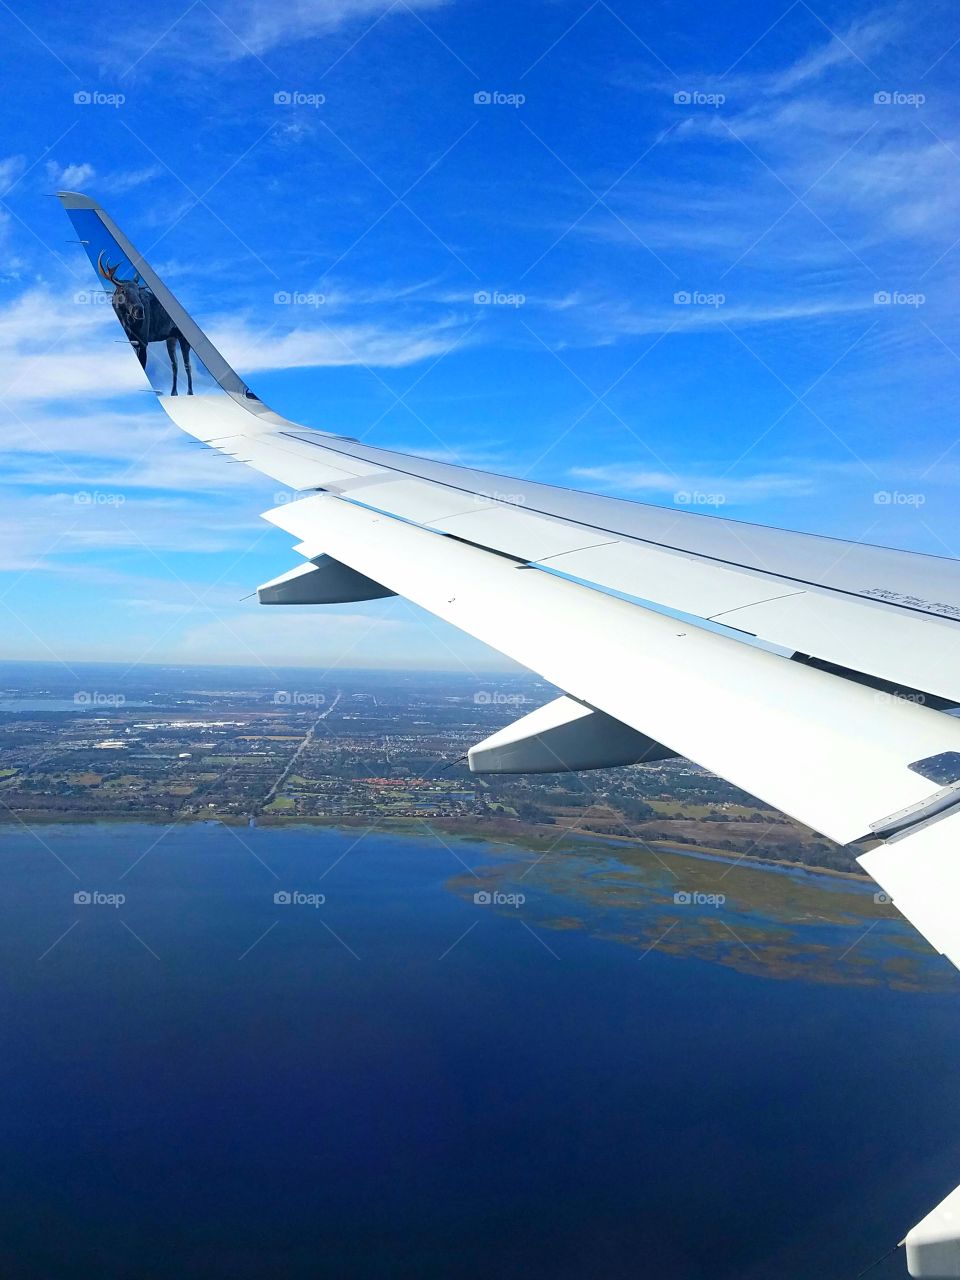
145,320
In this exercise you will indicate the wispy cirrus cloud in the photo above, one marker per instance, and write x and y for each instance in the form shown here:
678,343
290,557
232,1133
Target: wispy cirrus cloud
604,319
83,176
60,342
260,27
795,478
857,42
819,164
53,530
685,486
11,168
316,344
217,33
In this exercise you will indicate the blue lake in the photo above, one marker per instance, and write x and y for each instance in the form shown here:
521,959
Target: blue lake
203,1082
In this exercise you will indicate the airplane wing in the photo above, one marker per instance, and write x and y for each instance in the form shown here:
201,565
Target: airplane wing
814,673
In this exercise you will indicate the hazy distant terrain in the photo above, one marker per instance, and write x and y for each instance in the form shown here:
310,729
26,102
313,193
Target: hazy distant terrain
164,743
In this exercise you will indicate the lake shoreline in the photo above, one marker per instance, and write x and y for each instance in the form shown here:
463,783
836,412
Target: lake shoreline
520,835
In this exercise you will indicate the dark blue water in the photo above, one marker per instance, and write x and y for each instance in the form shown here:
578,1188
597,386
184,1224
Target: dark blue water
203,1083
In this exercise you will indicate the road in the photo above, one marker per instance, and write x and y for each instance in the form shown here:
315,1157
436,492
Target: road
291,763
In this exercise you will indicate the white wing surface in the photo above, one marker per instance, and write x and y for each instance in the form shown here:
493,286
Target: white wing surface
813,673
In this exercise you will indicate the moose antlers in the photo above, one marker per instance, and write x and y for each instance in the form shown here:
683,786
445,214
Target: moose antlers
108,272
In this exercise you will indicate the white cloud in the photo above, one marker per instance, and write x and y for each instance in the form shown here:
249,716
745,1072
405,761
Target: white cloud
128,464
856,45
381,633
260,25
602,319
56,342
126,180
64,343
318,345
78,175
876,181
47,530
70,177
724,488
854,483
11,167
252,28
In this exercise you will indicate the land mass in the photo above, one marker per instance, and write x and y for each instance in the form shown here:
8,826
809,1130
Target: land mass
181,744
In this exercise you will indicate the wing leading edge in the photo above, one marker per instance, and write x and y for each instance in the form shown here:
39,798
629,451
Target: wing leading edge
586,591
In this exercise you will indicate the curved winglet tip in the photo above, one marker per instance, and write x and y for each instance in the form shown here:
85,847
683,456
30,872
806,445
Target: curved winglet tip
76,200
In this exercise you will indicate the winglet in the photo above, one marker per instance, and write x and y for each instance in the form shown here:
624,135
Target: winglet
76,200
175,353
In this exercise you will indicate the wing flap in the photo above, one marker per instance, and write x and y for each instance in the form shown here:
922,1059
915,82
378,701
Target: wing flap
921,874
829,752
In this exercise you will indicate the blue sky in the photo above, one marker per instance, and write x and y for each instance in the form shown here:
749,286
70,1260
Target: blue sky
783,167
